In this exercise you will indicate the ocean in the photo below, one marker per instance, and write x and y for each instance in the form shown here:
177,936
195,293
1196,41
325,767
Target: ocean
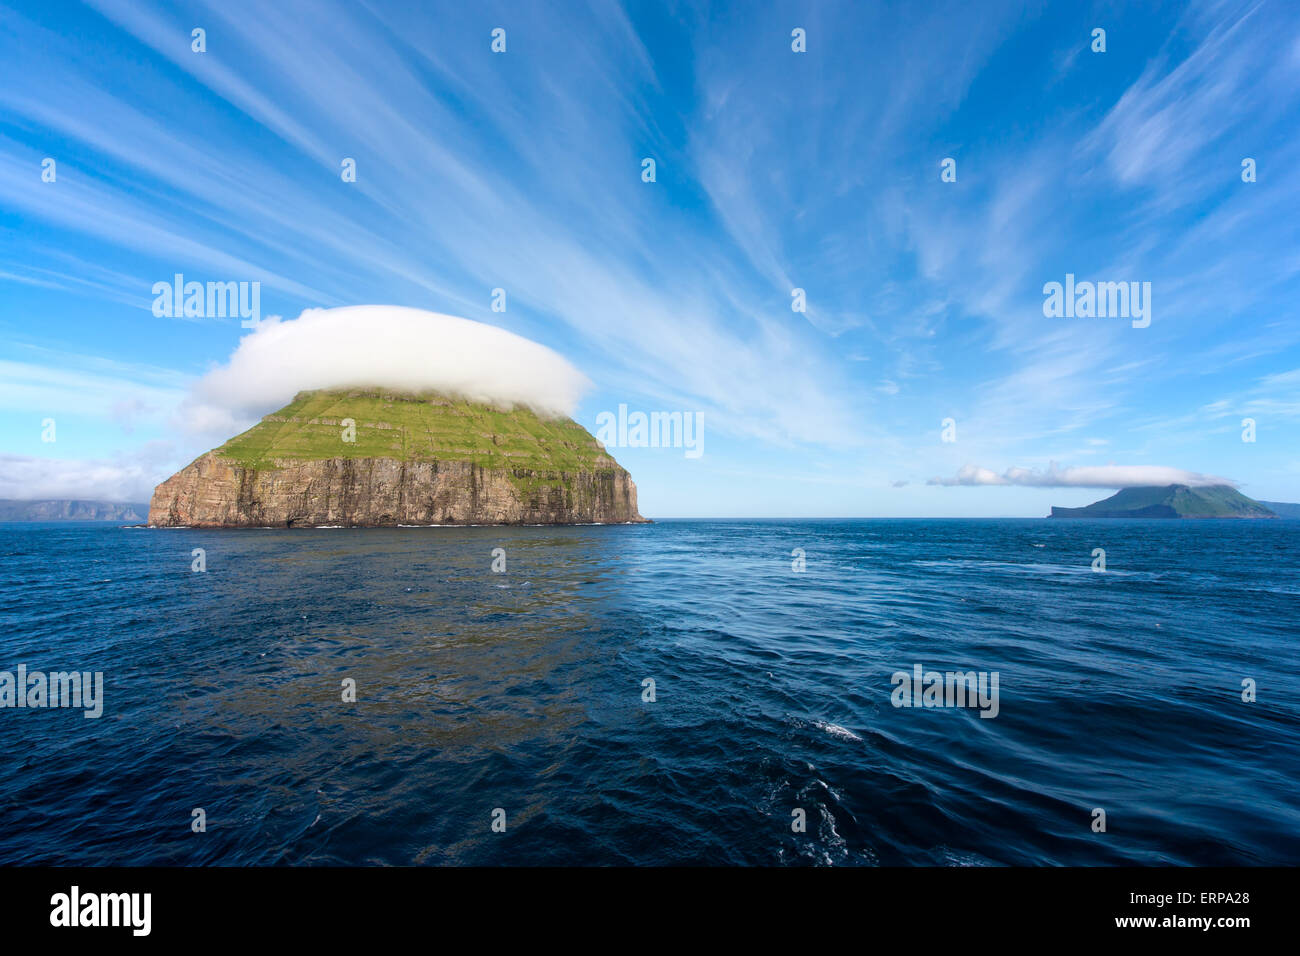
508,717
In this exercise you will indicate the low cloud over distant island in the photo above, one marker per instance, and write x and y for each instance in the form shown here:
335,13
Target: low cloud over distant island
1094,476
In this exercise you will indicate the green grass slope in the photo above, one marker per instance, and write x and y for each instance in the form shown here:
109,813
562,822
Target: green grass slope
411,427
1171,501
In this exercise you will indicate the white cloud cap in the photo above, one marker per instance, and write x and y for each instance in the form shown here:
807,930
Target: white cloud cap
391,346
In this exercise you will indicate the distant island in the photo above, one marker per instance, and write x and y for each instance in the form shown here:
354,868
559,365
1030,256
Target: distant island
1180,501
371,457
70,509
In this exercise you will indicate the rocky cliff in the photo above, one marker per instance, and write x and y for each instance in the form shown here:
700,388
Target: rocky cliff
368,457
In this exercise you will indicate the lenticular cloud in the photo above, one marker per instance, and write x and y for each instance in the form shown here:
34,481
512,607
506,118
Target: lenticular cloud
390,346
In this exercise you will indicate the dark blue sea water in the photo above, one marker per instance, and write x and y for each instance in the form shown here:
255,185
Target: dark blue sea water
523,691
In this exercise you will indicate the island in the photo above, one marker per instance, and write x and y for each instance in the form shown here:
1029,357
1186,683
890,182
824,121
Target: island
1172,501
375,457
70,509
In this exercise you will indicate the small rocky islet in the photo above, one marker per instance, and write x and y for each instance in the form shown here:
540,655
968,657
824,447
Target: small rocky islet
371,457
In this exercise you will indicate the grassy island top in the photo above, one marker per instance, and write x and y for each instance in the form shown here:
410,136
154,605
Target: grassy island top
415,427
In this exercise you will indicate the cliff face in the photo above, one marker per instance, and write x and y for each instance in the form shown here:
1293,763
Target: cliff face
411,460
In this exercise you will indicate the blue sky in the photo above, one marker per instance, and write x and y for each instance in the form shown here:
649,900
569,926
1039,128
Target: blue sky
775,170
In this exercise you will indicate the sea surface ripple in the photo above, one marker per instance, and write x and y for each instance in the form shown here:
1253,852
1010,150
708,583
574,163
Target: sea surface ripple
523,691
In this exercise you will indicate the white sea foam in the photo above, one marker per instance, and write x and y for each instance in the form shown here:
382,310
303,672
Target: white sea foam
835,730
